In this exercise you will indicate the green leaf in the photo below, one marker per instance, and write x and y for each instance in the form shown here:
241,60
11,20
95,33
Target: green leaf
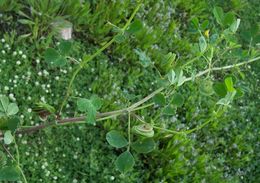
9,173
60,62
3,159
220,89
177,99
159,99
206,87
65,47
169,110
3,123
115,139
12,123
144,59
219,14
202,43
180,78
4,102
227,99
51,55
125,162
8,137
229,84
82,104
91,114
195,22
12,109
119,38
228,19
144,146
134,27
234,26
96,101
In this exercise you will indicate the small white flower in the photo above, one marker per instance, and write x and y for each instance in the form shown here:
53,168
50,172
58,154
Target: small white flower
3,51
6,88
24,56
18,62
37,61
20,52
14,53
2,40
29,110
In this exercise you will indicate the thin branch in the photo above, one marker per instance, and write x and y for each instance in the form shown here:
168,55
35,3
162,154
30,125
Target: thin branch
131,108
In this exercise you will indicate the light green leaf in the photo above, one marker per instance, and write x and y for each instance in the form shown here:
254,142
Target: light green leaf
4,102
12,109
181,78
9,173
91,114
202,43
125,162
234,26
82,104
8,137
144,146
115,139
206,87
229,84
144,59
171,77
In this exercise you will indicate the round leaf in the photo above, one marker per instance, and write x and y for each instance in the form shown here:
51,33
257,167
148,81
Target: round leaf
144,146
12,109
177,99
8,137
220,89
159,99
115,139
125,162
51,55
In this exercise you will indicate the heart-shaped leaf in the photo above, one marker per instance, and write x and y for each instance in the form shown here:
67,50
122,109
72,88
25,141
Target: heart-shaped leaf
12,109
8,137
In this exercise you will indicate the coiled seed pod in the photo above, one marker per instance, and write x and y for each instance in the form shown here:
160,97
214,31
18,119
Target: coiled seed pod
145,130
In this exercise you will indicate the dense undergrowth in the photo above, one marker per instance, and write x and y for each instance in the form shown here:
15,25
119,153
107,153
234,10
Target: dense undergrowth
226,150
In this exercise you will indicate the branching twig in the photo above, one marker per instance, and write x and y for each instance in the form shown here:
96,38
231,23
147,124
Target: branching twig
133,107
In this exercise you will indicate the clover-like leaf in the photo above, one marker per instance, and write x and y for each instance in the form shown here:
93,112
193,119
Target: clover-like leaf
159,99
144,59
202,44
65,47
51,55
144,145
115,139
125,162
8,137
177,99
135,27
12,109
9,173
4,102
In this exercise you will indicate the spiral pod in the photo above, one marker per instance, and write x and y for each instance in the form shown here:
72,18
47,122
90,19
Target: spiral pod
145,130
